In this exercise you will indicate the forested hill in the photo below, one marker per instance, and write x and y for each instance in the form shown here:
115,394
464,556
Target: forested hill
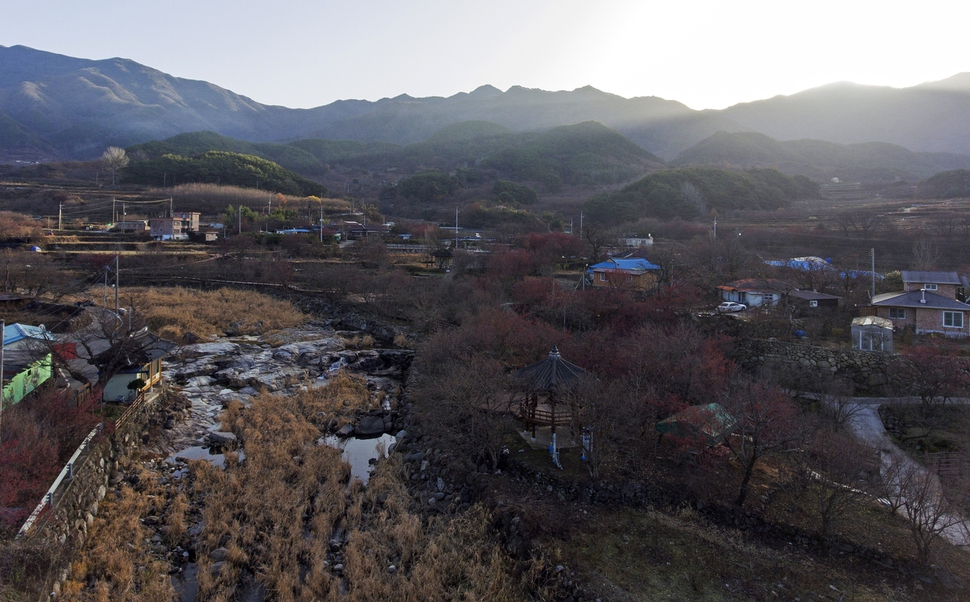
220,167
869,162
690,192
583,154
946,185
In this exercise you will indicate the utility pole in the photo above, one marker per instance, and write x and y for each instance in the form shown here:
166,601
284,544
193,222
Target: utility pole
580,224
104,301
872,252
456,228
321,222
239,213
117,284
60,207
171,210
114,211
715,226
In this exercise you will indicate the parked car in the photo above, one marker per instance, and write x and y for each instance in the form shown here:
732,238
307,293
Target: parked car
731,307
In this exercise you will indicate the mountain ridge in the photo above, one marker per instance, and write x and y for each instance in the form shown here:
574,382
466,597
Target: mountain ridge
58,107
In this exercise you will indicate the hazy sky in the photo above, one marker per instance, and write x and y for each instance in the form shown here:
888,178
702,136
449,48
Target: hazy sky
706,54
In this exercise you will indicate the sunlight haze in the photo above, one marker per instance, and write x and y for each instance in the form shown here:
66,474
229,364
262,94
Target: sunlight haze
702,53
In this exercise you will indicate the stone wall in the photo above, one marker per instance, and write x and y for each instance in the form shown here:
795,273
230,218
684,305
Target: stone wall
76,502
870,371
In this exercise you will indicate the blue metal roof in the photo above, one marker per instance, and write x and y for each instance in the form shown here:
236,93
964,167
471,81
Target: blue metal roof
16,332
636,264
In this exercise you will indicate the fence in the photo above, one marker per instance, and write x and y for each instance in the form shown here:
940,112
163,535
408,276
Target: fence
65,478
948,465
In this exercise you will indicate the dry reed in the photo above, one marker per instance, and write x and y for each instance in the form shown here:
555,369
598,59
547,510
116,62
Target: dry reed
278,511
173,312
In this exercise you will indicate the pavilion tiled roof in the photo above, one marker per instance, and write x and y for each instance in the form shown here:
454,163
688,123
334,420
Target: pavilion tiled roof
551,374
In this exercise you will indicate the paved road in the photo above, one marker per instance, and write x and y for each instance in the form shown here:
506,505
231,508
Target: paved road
868,428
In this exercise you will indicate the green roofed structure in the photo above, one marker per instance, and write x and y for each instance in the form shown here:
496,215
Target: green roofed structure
706,424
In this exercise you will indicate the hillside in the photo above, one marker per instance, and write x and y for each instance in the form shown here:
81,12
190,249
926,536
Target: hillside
220,167
870,162
690,192
946,185
288,156
584,154
927,117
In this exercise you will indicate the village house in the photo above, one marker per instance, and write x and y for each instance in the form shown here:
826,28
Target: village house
136,226
924,311
176,227
633,273
143,353
754,292
26,361
946,284
633,241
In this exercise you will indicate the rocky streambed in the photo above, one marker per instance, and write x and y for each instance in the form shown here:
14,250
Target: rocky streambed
210,375
213,375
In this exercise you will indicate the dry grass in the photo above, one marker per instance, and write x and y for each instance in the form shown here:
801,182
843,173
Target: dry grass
277,512
173,312
345,394
116,563
627,552
212,199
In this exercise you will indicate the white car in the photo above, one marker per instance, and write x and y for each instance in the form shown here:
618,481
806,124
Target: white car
731,307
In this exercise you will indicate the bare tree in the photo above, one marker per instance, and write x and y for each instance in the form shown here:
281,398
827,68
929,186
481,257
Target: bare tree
765,423
836,397
464,397
693,196
834,475
918,495
114,159
926,255
597,236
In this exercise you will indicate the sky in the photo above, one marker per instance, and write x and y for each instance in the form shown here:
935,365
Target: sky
707,54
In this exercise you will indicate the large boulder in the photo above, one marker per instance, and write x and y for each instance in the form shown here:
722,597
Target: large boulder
370,426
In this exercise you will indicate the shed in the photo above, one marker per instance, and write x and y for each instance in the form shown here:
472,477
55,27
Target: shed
870,333
813,299
547,385
706,424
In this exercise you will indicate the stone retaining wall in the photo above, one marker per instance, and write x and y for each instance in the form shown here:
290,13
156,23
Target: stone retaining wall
76,503
870,371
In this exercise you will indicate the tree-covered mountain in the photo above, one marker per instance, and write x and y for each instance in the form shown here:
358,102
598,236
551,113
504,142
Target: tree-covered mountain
582,154
946,185
288,156
79,106
59,107
928,117
869,162
220,167
692,191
